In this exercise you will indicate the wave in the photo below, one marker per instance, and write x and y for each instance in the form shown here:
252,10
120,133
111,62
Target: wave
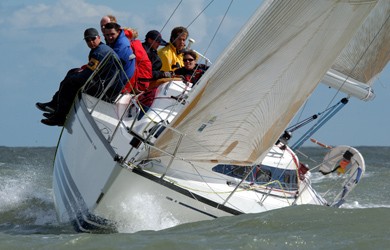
27,206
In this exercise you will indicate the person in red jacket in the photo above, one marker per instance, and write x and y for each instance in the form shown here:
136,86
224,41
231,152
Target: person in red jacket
143,66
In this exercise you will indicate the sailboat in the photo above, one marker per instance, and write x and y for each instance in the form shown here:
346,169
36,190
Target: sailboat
221,147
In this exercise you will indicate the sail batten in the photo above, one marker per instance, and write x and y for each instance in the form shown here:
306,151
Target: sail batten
250,94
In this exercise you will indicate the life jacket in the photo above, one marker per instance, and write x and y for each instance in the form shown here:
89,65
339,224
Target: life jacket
195,76
342,166
143,66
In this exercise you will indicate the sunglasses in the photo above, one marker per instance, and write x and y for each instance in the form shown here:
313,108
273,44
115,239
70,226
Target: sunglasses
89,39
187,60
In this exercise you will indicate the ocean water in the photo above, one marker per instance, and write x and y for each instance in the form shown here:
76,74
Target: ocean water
28,218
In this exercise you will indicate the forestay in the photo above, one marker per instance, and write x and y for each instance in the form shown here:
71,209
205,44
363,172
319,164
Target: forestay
248,97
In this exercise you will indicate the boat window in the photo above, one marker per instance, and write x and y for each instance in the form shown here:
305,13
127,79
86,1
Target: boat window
262,175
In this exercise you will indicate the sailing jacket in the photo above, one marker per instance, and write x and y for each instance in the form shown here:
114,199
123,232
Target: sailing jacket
155,60
76,78
125,54
192,75
143,66
96,87
95,56
171,59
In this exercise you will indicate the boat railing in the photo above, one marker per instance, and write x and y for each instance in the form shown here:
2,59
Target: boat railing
111,83
113,117
148,142
106,80
123,115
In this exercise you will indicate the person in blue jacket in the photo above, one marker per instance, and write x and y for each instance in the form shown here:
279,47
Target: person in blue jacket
117,40
59,106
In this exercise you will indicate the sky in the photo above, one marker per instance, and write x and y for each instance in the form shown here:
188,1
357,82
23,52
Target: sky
42,39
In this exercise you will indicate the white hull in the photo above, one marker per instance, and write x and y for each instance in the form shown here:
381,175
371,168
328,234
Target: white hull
94,189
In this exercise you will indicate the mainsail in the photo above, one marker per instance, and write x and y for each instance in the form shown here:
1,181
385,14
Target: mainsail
369,51
250,94
365,56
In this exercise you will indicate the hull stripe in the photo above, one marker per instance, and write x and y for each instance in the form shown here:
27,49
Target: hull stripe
188,194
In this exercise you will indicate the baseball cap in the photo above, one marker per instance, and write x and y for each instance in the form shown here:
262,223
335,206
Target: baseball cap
91,32
155,35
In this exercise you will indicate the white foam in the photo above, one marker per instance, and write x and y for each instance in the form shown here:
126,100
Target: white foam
13,191
355,204
141,212
27,189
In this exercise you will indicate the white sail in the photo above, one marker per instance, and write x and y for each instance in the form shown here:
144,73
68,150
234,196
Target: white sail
365,56
247,98
369,51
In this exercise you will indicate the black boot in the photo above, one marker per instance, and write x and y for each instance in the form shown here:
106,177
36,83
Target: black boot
47,115
54,120
46,107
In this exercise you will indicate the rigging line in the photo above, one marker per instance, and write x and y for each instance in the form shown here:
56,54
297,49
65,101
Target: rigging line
300,124
336,184
360,59
166,23
199,14
301,113
170,17
207,183
219,26
215,33
238,185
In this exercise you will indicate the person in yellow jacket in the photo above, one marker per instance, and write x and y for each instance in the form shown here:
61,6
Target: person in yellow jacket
172,54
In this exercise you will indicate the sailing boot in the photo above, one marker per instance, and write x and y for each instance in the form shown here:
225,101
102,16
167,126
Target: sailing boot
46,106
